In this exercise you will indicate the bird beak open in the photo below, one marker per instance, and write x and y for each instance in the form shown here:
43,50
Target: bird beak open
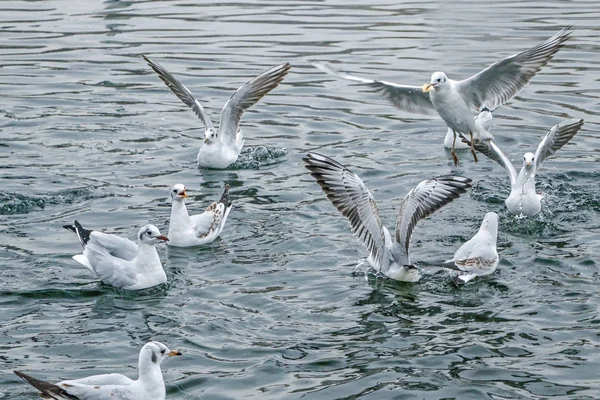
174,353
428,87
184,195
163,238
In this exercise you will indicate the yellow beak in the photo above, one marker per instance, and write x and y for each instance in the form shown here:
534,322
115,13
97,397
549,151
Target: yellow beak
184,195
427,87
174,353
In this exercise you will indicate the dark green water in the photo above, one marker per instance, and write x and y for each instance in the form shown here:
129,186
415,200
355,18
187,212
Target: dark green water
277,308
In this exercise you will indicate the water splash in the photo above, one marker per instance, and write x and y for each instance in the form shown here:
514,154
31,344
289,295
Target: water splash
255,157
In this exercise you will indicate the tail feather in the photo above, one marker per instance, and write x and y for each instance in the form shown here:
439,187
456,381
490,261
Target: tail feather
82,233
48,390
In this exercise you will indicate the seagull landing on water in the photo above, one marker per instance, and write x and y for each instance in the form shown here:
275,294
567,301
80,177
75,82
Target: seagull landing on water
149,385
186,230
351,197
478,256
120,262
523,200
221,147
455,101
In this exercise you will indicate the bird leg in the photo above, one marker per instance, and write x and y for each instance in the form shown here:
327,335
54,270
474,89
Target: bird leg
473,147
453,152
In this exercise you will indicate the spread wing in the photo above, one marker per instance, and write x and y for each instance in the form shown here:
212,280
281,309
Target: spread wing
499,82
489,149
351,197
558,136
406,98
245,97
180,91
423,200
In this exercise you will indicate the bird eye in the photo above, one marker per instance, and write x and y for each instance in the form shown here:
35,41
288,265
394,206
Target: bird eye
149,233
174,190
439,80
162,351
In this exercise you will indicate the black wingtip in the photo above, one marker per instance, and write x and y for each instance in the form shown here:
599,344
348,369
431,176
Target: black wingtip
46,388
82,233
225,197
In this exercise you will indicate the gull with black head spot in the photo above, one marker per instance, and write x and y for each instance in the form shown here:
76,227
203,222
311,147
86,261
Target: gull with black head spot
149,385
455,101
221,147
193,230
350,196
523,199
120,262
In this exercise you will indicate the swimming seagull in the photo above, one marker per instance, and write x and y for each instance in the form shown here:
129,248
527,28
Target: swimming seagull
478,256
351,197
149,385
186,230
523,200
455,101
222,147
120,262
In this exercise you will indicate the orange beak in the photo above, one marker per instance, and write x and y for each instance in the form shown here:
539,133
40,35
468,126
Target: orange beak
174,353
163,238
184,195
427,87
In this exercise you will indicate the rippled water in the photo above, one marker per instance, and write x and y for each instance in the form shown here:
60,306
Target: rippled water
277,308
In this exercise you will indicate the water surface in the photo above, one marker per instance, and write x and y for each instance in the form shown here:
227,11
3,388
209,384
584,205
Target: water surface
276,308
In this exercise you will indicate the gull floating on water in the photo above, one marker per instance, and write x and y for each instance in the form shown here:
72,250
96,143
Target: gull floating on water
186,230
523,200
222,147
478,256
120,262
455,101
351,197
149,385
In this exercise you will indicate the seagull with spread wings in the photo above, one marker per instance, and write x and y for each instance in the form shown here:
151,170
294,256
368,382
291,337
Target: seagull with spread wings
351,197
523,200
222,146
455,101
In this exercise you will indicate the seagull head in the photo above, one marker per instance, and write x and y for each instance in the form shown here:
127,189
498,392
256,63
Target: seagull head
155,353
490,221
178,192
528,159
438,80
150,234
209,135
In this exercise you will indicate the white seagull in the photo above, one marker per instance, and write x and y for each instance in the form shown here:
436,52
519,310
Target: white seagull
478,256
222,147
120,262
149,385
455,101
483,120
186,230
523,200
351,197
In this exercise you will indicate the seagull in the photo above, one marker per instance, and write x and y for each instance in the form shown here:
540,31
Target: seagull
222,147
120,262
523,200
478,256
149,385
186,230
351,197
455,101
483,121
